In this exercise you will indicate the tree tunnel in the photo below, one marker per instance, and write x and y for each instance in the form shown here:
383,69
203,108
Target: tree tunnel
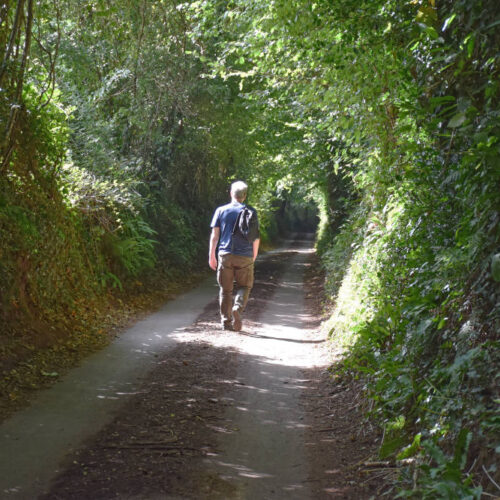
297,213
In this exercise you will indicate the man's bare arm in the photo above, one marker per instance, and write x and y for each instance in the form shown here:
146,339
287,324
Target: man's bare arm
214,239
256,244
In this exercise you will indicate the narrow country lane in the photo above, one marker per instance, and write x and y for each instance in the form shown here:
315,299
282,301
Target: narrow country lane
264,453
177,408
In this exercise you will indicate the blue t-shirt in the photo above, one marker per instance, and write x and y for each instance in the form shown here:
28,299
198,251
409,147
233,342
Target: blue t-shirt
225,218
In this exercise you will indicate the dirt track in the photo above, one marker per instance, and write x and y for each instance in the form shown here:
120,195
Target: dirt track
250,415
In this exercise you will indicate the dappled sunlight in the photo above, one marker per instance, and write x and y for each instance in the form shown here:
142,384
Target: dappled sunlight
243,471
262,423
280,338
265,420
262,418
282,335
367,130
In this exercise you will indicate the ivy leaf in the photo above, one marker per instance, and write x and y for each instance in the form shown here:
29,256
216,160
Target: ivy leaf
457,120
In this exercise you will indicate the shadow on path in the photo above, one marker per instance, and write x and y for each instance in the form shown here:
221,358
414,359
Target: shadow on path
216,415
320,341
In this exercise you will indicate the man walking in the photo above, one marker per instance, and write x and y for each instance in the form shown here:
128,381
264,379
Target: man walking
236,258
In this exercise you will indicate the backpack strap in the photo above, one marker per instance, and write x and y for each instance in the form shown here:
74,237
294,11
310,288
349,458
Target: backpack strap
236,226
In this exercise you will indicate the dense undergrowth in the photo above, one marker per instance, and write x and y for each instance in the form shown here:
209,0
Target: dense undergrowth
125,121
412,272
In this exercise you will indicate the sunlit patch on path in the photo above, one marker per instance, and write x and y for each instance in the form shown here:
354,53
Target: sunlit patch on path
185,408
263,455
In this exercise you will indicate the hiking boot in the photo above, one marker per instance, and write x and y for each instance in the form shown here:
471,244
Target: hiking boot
236,319
226,325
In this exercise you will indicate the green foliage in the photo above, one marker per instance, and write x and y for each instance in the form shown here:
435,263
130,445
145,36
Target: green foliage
384,114
444,478
117,152
133,250
392,111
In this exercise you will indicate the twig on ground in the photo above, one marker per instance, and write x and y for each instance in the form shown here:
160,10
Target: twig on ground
385,463
148,447
472,466
490,478
489,494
